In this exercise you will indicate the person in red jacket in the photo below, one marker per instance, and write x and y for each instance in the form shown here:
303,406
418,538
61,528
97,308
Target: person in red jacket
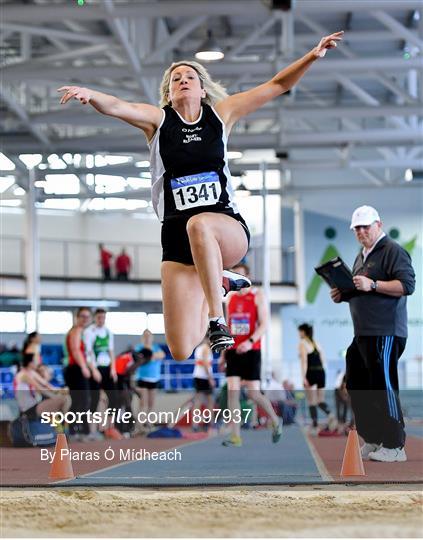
123,266
105,261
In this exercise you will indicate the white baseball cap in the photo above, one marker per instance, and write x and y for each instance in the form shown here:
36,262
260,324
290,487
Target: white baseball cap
364,215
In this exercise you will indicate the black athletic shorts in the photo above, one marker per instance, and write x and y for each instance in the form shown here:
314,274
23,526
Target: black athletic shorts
123,382
147,384
316,377
246,365
202,385
175,241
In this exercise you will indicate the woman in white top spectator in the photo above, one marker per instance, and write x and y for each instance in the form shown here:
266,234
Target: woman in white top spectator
33,393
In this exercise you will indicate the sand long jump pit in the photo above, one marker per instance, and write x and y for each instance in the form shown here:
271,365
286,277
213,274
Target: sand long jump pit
235,512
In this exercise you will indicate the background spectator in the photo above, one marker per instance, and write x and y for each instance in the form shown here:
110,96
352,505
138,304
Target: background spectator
289,403
282,397
35,394
314,376
124,365
32,345
78,372
99,347
342,402
105,261
147,375
123,266
45,371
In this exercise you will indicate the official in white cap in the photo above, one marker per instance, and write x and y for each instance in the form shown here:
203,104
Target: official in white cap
364,216
383,277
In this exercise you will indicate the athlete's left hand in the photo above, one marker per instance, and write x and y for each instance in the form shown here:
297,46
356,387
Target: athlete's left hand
244,347
328,42
362,283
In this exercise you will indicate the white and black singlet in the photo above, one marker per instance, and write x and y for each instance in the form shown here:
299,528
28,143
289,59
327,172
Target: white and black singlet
190,175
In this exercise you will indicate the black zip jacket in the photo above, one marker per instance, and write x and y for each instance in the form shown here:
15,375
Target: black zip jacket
376,314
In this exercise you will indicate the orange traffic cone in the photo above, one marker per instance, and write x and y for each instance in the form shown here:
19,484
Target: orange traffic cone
61,468
352,464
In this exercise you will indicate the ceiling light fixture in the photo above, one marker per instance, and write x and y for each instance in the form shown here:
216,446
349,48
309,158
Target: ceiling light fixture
408,176
210,50
234,154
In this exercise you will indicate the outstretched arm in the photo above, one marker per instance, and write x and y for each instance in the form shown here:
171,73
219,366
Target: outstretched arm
238,105
141,115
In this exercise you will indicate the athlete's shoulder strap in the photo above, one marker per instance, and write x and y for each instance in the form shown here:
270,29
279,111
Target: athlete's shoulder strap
170,113
211,115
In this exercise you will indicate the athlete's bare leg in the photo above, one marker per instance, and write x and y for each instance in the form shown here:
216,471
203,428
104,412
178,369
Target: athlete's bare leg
210,406
311,396
320,395
142,394
192,293
53,404
262,401
217,241
151,398
234,403
185,308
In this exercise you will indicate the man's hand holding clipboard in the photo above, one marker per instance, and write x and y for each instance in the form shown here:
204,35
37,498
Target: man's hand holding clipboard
338,276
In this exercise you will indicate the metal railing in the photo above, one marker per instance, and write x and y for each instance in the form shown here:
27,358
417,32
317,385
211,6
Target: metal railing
80,259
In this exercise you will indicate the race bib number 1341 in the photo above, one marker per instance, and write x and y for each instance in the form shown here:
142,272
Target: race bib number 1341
201,189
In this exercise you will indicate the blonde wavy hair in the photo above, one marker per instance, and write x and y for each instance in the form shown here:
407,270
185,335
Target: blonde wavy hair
215,92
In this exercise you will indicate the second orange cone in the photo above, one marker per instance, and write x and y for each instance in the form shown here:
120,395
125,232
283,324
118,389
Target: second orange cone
61,468
352,464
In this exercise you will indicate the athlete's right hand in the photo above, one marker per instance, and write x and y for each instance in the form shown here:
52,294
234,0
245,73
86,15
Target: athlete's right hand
306,383
336,295
76,92
86,372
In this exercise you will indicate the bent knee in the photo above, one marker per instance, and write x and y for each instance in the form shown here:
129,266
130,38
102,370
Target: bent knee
234,384
197,225
63,401
180,352
58,402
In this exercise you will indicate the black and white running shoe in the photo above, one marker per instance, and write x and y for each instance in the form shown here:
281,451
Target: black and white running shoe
232,281
219,336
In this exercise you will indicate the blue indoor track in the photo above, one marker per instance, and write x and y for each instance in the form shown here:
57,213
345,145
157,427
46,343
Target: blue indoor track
207,462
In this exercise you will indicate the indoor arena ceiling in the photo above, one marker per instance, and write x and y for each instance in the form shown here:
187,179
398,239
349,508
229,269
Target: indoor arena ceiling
360,108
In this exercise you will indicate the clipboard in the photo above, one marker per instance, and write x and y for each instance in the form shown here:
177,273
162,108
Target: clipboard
336,274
